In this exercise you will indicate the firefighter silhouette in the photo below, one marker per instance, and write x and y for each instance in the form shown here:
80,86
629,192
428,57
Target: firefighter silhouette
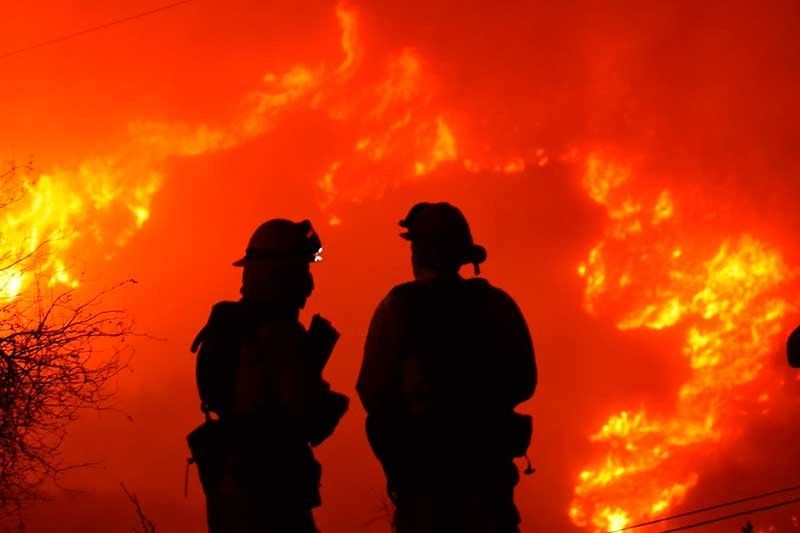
446,361
259,376
793,348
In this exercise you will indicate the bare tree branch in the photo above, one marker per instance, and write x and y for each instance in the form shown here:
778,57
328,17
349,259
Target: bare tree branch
145,524
58,354
11,189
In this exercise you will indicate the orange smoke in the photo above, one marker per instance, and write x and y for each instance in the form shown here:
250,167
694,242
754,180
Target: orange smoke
647,273
396,124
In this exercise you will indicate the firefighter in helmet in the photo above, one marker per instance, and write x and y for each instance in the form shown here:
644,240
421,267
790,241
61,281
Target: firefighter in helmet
259,376
446,361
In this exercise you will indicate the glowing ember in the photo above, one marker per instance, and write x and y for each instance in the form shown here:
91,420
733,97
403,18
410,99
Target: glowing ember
647,273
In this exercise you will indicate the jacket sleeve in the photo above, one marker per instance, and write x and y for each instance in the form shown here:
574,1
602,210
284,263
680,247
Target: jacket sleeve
378,383
516,360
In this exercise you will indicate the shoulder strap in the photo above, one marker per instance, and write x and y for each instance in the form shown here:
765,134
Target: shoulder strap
226,317
215,365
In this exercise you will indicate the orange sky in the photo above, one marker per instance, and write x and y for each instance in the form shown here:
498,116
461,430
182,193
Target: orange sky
702,99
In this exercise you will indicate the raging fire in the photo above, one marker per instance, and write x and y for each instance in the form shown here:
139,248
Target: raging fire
46,215
649,272
645,272
652,270
391,111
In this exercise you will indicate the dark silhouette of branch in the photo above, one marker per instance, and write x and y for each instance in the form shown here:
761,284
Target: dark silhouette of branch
52,365
145,524
58,353
11,182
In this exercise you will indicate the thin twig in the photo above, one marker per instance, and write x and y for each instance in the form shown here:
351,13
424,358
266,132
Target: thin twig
146,525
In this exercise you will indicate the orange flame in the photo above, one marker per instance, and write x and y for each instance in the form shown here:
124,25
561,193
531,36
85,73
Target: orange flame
398,129
728,309
58,209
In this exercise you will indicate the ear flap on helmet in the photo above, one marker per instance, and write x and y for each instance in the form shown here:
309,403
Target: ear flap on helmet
476,257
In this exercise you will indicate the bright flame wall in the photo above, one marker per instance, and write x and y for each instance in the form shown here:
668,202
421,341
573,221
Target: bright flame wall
223,116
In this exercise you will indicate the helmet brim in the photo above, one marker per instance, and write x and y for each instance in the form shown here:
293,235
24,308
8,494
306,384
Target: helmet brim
300,259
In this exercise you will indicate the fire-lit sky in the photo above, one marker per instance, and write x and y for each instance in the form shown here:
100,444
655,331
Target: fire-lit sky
632,169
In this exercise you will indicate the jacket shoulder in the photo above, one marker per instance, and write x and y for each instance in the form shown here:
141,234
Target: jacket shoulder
405,295
225,311
480,284
405,289
224,316
494,296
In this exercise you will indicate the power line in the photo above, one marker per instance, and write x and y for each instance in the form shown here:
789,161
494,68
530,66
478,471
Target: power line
709,508
92,29
733,515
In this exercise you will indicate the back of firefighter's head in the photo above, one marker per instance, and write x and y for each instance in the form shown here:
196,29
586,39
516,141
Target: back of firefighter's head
441,241
276,264
793,348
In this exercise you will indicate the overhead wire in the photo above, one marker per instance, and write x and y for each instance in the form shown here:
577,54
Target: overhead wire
709,508
733,515
93,29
